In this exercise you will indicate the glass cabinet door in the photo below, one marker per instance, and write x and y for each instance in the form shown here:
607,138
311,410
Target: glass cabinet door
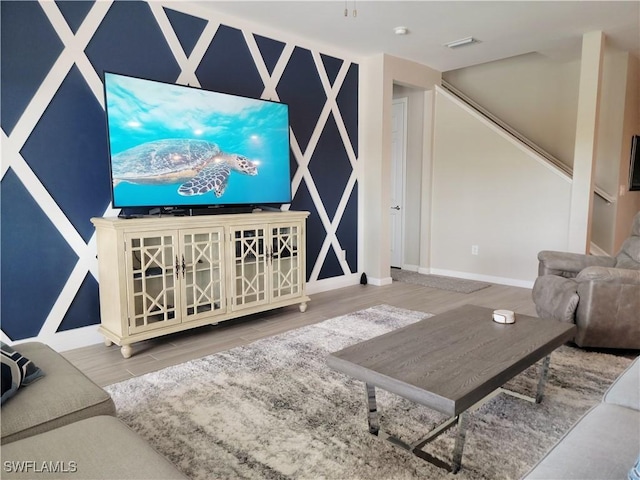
249,254
285,261
152,270
202,273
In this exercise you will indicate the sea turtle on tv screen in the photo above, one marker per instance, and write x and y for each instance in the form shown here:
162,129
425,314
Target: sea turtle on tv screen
199,166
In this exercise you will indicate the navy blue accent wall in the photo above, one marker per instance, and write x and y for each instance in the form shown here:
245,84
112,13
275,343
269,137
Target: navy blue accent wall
66,151
332,67
228,66
349,108
188,29
57,172
129,41
36,261
270,51
83,310
347,231
331,266
74,12
330,167
29,49
302,201
301,88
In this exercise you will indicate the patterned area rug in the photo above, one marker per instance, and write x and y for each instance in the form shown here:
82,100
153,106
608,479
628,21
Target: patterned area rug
274,410
459,285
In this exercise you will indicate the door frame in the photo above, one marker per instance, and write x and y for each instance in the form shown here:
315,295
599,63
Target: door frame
401,170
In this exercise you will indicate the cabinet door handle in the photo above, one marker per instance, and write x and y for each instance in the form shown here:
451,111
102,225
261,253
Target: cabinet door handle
177,268
183,266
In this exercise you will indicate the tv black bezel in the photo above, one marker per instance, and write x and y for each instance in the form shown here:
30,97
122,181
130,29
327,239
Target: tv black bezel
634,167
197,208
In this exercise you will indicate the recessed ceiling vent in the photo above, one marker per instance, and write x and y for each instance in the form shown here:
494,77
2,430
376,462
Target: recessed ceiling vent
461,43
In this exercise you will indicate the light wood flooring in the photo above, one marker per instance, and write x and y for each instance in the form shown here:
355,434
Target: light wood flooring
105,365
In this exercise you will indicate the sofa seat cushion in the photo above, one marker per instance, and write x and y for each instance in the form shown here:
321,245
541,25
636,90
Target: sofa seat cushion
625,391
63,395
602,445
95,448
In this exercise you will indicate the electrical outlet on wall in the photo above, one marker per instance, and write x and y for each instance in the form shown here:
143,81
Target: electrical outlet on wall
474,249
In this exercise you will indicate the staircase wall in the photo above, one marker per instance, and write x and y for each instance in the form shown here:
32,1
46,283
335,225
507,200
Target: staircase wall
534,94
537,95
493,192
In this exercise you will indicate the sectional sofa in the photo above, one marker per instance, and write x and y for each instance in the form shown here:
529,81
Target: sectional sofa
605,442
63,425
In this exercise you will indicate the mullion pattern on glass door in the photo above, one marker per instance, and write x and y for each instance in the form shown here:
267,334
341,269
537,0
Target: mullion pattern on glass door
250,266
153,280
204,290
285,261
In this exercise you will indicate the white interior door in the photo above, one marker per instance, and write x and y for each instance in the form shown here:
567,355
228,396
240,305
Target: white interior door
398,160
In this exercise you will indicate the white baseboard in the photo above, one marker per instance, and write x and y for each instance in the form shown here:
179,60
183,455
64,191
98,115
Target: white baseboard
327,284
379,282
513,282
345,281
86,336
410,268
69,339
596,250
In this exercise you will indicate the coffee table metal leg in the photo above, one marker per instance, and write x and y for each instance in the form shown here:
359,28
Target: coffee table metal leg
544,373
372,415
416,448
463,421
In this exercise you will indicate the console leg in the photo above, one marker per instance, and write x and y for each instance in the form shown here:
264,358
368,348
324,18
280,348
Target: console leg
107,342
126,351
303,307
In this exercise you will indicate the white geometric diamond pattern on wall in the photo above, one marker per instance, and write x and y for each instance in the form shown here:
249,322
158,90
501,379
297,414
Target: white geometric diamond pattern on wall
74,57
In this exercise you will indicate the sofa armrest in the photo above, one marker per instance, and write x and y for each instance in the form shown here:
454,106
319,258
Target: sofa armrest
620,275
603,444
556,297
607,314
625,391
567,264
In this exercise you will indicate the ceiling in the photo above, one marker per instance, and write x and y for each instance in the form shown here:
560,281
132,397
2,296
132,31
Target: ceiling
503,28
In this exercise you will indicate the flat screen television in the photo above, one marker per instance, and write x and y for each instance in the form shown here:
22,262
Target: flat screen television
174,146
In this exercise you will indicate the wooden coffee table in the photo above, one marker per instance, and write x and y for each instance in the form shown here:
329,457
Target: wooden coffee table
453,363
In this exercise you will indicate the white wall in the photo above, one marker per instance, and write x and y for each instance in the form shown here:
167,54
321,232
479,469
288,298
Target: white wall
609,146
378,74
534,94
491,192
538,96
628,203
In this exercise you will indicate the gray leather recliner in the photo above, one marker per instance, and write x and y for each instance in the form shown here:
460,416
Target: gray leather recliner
600,294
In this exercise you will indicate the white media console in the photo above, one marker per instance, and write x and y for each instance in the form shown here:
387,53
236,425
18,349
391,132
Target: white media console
167,274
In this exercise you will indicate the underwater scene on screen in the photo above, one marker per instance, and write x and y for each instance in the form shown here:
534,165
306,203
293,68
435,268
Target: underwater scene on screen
172,145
